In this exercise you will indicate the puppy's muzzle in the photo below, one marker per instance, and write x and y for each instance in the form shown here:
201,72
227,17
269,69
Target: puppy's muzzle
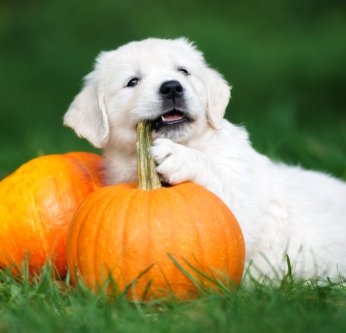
174,113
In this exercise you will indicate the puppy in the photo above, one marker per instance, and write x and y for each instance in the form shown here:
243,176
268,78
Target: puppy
281,209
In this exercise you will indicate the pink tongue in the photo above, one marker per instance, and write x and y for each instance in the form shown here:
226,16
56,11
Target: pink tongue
172,117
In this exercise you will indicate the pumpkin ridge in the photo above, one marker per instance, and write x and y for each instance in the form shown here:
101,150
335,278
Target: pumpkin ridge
130,200
72,246
232,228
225,234
82,224
205,197
149,234
194,223
39,227
95,255
163,192
148,250
122,197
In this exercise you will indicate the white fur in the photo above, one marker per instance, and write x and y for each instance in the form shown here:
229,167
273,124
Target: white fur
281,209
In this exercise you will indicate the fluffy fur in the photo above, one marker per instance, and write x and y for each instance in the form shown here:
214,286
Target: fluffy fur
281,209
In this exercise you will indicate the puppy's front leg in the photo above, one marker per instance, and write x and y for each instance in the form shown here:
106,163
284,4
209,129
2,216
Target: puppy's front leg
178,164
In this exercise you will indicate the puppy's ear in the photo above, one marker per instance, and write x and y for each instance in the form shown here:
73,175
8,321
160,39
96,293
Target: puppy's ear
87,114
219,93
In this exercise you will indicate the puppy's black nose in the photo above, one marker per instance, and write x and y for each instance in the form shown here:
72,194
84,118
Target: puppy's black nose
171,89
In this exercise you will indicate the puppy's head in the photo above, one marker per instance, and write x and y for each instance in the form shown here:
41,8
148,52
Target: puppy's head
164,81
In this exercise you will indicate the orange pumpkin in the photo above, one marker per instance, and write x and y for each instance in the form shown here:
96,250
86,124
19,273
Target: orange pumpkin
148,232
37,203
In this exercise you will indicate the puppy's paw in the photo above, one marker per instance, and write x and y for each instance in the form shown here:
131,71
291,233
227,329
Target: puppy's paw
176,163
162,149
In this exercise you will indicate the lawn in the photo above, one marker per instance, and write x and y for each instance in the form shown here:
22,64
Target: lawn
288,305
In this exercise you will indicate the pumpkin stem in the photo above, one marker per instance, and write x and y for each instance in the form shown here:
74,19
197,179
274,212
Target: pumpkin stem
148,179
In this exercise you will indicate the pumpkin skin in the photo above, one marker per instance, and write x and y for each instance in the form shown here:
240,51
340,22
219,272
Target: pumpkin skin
37,203
121,230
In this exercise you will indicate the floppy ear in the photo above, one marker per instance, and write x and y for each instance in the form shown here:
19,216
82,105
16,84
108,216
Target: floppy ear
219,93
87,114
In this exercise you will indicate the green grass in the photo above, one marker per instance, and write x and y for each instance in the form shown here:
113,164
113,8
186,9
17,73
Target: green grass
286,305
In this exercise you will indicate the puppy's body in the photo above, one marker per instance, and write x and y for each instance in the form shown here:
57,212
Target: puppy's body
281,209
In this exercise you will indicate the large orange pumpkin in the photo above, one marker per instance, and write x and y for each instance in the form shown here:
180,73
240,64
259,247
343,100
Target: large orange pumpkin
37,203
148,232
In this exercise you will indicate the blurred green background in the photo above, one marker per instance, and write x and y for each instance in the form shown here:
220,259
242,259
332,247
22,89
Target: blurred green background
286,61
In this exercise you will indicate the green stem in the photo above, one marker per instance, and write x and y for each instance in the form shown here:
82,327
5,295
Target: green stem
148,179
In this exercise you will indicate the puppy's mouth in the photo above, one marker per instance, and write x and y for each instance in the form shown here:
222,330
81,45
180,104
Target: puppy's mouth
171,119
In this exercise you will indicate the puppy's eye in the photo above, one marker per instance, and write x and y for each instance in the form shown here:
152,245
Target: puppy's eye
133,82
183,70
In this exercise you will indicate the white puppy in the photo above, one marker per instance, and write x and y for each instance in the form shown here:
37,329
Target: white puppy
281,209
